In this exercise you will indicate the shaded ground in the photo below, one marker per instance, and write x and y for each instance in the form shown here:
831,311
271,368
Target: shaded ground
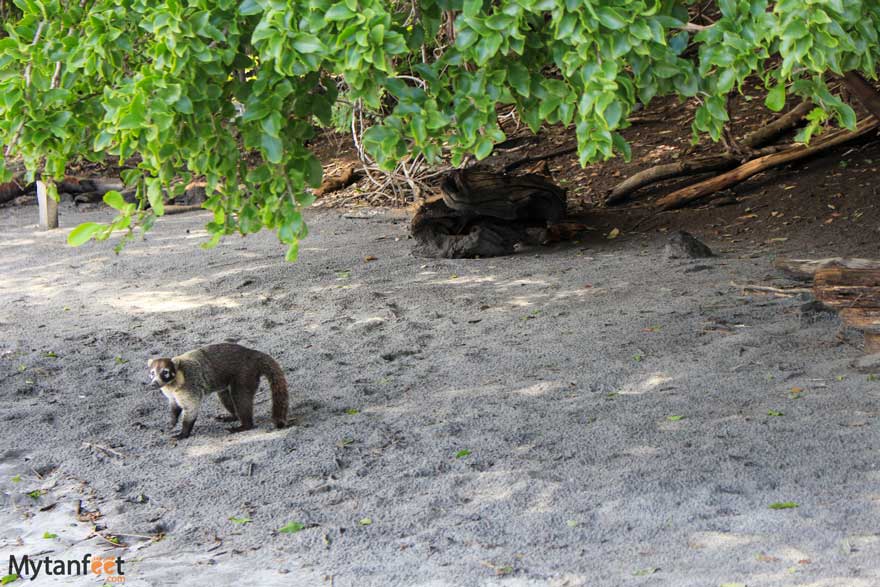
562,370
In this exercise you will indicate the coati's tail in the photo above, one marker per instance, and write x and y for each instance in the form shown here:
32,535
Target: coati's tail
271,370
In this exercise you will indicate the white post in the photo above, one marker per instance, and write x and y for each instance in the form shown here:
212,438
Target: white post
48,207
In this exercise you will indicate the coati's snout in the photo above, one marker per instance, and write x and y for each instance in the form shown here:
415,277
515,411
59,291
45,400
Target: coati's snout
162,372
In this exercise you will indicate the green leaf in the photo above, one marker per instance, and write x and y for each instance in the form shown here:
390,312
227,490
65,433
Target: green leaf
519,78
292,528
156,197
365,521
240,520
462,454
305,43
774,413
645,572
115,200
83,233
249,7
484,148
610,18
783,505
674,418
7,579
338,12
272,147
49,536
775,99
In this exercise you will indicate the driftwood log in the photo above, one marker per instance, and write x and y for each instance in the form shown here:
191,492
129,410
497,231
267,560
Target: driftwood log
806,269
684,196
855,293
708,163
484,214
343,179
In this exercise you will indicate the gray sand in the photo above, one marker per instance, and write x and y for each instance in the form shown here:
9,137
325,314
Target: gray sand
556,368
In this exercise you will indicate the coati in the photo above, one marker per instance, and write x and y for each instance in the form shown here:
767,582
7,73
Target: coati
231,370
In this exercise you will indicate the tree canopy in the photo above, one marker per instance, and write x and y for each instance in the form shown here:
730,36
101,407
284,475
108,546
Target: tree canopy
233,90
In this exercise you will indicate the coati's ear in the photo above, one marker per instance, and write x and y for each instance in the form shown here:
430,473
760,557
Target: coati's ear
175,363
150,363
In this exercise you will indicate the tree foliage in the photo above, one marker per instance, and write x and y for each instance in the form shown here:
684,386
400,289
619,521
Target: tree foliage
233,90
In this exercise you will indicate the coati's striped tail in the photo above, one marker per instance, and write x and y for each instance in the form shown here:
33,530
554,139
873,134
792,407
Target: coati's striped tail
271,370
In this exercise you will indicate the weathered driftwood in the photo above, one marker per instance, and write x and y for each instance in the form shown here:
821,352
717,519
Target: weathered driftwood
855,294
343,179
848,288
484,214
685,196
710,163
508,197
440,231
11,190
805,269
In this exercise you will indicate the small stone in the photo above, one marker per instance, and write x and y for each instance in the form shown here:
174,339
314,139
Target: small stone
682,245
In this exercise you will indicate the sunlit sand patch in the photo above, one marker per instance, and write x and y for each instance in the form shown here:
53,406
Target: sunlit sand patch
540,389
521,301
642,451
167,301
718,540
545,500
654,382
521,282
490,486
214,443
337,284
21,242
468,280
578,293
37,290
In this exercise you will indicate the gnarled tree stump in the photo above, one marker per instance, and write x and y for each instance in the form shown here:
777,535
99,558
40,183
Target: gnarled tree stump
484,214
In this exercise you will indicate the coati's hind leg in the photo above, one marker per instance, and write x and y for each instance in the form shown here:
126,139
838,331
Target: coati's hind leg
242,391
226,400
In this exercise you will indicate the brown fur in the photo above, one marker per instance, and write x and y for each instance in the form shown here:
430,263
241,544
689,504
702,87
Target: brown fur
231,370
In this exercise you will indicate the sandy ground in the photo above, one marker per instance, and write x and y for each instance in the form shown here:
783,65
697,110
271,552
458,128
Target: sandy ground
616,408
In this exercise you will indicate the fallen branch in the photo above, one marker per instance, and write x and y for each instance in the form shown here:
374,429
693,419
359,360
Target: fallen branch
533,158
780,291
109,451
684,196
349,175
706,164
805,269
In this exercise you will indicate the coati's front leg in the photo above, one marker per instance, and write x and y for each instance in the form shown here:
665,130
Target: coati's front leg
190,405
175,413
